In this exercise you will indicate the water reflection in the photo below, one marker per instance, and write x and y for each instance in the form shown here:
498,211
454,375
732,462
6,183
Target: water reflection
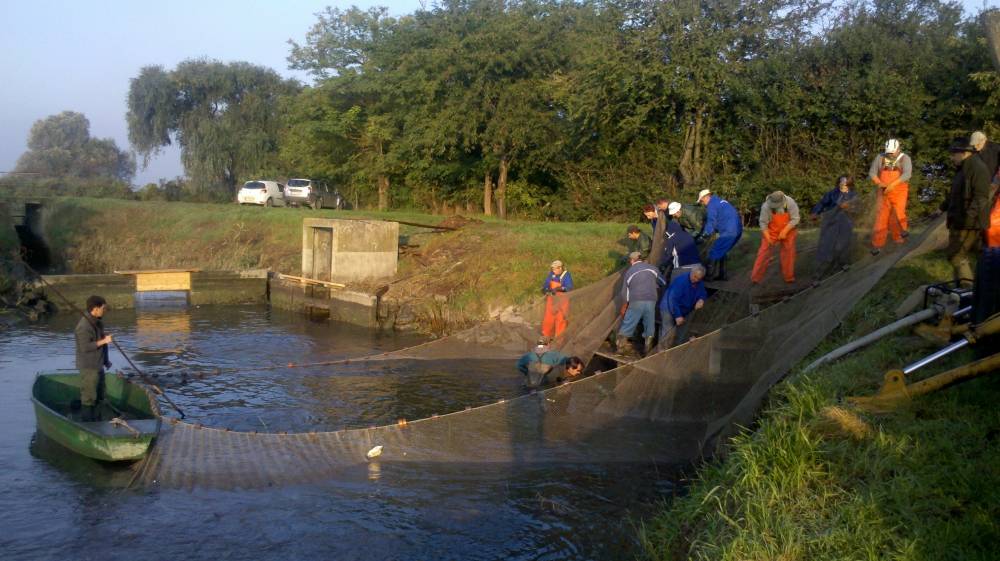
56,505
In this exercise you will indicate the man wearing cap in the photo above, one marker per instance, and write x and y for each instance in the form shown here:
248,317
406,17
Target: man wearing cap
722,218
968,208
685,295
555,286
539,362
640,291
779,220
680,252
636,240
988,152
890,172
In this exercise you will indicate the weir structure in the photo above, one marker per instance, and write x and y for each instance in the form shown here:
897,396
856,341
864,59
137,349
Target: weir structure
672,407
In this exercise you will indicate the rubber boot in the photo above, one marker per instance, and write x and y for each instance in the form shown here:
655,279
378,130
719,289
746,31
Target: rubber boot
623,347
648,344
722,270
711,269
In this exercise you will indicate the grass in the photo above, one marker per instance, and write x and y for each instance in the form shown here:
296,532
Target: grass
465,276
817,479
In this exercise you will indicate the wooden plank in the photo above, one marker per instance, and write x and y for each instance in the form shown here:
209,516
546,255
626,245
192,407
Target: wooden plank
311,281
146,282
616,358
151,271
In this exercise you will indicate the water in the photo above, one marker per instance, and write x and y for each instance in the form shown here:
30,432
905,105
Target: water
55,505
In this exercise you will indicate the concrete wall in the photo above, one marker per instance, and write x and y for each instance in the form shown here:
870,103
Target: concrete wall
349,250
347,306
207,287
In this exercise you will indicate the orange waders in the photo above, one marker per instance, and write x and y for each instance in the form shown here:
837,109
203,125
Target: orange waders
556,311
891,213
993,232
764,257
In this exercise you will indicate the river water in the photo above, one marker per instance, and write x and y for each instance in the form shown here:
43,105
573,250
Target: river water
228,367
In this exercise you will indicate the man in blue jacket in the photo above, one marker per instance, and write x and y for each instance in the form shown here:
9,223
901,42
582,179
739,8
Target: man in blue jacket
685,295
721,218
537,364
680,252
640,290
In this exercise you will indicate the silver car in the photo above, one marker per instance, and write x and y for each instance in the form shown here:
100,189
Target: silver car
312,193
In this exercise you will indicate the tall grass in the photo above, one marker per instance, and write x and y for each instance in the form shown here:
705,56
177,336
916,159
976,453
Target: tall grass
818,480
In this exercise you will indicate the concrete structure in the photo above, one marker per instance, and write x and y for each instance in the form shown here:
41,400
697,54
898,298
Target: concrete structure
203,287
347,251
325,302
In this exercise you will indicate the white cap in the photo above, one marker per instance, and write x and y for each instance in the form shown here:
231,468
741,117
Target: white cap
703,192
891,146
556,263
674,208
977,138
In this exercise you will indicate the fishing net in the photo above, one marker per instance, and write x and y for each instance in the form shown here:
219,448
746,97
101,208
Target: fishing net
674,406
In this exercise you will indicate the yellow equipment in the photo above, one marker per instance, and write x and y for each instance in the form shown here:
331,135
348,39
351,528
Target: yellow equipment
895,392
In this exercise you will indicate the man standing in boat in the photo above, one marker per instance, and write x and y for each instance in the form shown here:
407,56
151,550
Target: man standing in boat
92,357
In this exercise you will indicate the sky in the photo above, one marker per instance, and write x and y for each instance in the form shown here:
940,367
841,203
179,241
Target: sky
79,55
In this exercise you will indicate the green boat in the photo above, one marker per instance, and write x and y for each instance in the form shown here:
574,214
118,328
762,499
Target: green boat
130,417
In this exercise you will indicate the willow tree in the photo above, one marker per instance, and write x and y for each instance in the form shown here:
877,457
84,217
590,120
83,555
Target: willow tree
224,117
60,146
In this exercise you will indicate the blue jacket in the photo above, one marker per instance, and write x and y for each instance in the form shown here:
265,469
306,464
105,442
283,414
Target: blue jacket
721,217
565,278
680,298
551,358
642,283
680,248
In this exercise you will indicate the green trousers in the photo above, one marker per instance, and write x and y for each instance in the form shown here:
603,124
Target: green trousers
91,387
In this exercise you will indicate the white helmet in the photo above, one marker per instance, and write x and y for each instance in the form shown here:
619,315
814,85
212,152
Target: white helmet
891,146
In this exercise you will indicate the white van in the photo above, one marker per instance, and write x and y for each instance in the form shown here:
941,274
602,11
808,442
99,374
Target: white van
266,193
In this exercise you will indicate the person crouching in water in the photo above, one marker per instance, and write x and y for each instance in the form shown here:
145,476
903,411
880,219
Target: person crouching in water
537,365
685,295
640,290
555,286
836,230
779,220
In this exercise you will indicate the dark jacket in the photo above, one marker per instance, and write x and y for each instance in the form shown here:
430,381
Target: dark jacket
968,203
88,355
642,245
834,198
990,155
679,248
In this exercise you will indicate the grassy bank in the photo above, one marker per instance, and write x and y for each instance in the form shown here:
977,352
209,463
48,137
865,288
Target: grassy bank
816,479
454,277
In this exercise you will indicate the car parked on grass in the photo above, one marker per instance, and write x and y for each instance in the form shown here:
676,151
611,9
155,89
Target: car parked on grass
312,193
262,192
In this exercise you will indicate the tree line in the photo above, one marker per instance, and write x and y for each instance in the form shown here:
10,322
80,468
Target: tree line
582,110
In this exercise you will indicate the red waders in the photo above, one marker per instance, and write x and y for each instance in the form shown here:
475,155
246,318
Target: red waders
556,311
891,213
764,257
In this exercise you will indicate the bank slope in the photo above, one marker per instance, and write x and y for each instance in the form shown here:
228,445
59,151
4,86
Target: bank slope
817,480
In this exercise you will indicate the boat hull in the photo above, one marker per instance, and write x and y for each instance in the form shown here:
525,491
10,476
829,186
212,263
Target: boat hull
53,395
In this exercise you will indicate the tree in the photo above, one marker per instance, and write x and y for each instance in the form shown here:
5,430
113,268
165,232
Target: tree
60,146
225,117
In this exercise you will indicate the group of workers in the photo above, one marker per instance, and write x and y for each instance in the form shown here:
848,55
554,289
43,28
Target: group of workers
673,283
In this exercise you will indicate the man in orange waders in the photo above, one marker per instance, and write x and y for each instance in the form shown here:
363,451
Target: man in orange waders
555,286
890,172
779,220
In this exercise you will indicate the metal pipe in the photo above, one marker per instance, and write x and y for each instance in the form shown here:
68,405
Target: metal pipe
961,311
961,344
876,335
